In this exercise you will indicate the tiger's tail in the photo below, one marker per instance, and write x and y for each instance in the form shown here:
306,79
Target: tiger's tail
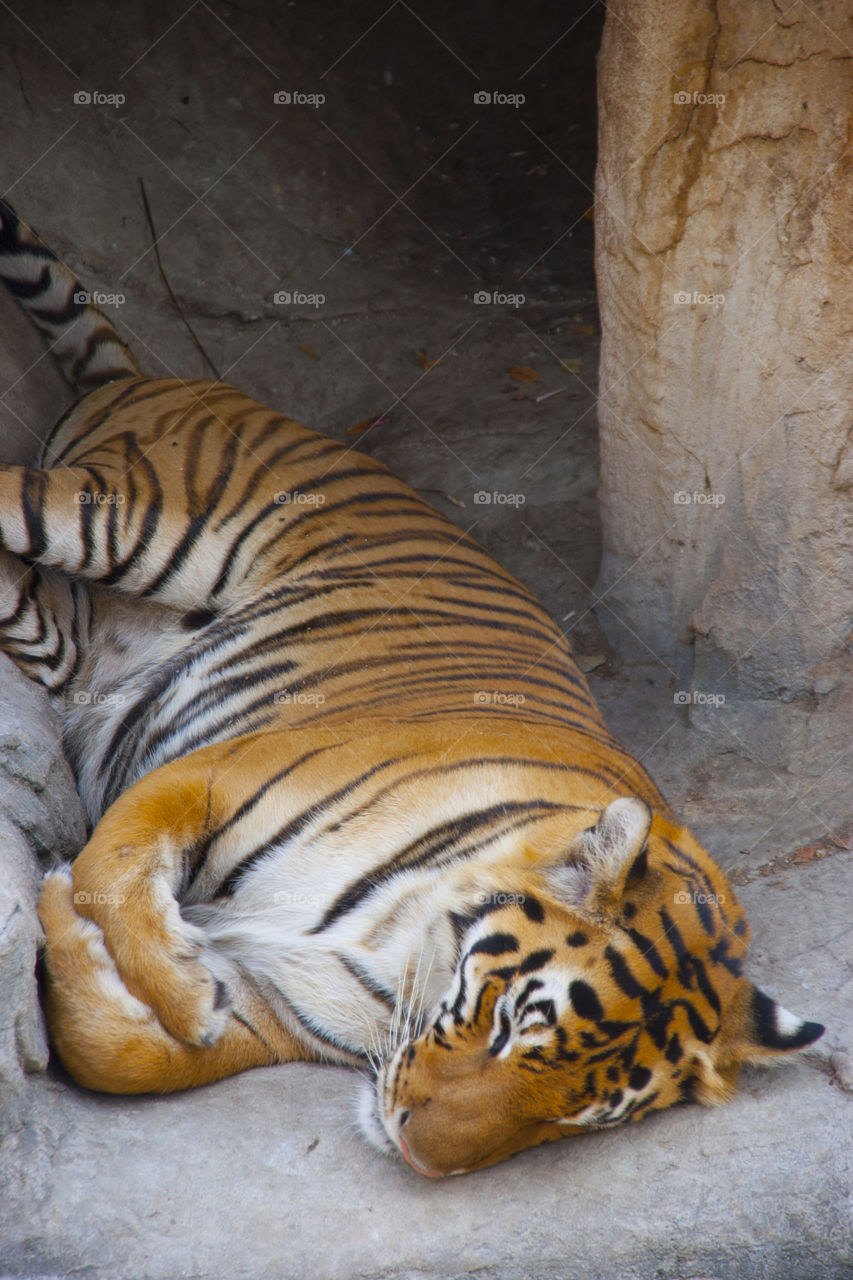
85,343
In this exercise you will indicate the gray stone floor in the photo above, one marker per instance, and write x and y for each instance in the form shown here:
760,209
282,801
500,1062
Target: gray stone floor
265,1175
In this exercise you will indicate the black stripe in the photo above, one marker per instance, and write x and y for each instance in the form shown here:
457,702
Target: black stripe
104,335
495,944
536,960
292,828
371,984
314,1029
547,1008
502,1037
437,844
622,975
719,954
150,520
64,315
199,854
24,289
648,951
584,1000
705,986
202,504
32,504
699,871
274,508
135,393
532,907
534,984
682,955
698,1025
478,1006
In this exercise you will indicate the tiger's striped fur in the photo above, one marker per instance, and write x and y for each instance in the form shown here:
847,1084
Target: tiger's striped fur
352,799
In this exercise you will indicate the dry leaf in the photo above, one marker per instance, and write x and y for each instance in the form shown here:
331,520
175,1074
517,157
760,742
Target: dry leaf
521,373
572,366
807,854
309,350
589,661
582,328
425,362
589,213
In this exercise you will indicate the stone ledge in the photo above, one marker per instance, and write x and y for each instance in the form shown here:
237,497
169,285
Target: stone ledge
265,1174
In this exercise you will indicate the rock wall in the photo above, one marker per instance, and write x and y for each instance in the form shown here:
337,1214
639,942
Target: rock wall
724,224
41,823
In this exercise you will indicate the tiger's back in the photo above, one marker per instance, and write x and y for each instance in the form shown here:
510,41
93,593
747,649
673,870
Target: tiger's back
303,583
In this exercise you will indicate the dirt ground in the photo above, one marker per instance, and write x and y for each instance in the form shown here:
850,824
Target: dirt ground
377,216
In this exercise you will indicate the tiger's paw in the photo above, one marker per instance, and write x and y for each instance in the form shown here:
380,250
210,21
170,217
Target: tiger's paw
164,962
190,1000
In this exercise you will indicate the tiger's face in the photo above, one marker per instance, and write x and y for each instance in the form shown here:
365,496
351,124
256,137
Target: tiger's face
609,987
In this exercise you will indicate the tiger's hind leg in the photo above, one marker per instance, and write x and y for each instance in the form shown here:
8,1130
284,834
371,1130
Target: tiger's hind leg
113,1042
41,616
122,520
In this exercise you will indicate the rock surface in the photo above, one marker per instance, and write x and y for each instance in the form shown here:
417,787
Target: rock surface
40,814
723,249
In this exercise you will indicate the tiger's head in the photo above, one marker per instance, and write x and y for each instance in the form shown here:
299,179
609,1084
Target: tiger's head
606,986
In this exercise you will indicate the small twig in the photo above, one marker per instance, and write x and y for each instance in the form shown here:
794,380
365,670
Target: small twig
175,302
448,496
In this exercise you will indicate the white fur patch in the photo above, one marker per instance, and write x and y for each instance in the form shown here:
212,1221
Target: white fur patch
370,1121
787,1023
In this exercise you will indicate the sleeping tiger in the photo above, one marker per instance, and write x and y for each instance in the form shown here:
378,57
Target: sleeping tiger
317,832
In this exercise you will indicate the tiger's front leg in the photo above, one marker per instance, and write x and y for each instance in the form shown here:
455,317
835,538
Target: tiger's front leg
125,881
113,1042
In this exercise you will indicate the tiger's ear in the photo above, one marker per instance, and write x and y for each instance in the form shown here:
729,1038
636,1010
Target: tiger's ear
756,1029
605,860
770,1030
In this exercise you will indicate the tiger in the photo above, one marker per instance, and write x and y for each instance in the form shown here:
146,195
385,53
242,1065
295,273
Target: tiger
350,797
